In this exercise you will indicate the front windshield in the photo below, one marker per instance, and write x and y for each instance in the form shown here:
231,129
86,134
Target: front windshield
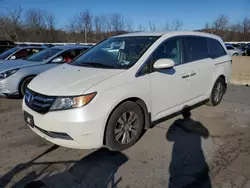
44,55
117,52
7,53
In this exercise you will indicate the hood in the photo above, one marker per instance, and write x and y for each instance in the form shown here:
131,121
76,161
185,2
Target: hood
15,64
69,80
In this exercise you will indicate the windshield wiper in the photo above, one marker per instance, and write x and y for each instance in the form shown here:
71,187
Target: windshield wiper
94,64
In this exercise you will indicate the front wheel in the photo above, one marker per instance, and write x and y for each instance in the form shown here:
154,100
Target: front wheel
125,126
217,93
24,85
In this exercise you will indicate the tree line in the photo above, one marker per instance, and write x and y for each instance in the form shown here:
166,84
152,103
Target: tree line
37,25
228,31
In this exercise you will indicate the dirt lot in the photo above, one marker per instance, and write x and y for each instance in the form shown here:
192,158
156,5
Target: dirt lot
216,153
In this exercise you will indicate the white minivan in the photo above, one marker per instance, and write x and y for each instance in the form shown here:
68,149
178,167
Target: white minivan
108,96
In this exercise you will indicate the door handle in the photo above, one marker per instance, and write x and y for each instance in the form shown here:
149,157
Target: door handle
193,74
185,76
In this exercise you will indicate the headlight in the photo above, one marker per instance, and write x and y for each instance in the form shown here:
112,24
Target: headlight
6,74
64,103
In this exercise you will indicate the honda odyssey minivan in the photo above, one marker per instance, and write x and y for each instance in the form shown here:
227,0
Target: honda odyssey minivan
107,97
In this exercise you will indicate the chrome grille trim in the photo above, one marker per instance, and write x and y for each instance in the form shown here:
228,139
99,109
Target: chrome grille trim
38,102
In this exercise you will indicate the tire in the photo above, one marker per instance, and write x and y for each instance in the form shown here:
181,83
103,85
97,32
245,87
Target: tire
217,93
24,85
235,54
127,120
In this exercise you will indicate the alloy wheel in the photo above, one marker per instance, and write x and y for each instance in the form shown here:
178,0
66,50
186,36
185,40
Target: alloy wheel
126,128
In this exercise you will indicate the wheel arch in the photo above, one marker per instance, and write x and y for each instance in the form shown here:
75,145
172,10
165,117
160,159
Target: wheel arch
222,76
143,106
22,80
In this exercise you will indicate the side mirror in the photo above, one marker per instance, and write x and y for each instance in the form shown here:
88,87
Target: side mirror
164,64
57,60
13,57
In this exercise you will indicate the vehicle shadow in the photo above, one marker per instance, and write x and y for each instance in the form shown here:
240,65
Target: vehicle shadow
188,167
97,169
6,179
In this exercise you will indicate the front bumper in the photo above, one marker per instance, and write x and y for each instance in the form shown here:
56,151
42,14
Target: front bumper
8,87
5,92
79,129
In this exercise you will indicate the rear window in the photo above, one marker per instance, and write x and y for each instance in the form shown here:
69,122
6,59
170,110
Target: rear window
215,48
196,48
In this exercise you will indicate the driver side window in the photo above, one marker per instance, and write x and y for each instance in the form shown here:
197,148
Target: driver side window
171,49
69,55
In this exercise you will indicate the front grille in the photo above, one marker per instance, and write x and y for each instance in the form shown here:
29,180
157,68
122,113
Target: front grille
38,102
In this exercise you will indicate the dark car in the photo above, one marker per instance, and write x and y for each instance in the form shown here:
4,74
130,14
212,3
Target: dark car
20,52
243,47
6,45
248,50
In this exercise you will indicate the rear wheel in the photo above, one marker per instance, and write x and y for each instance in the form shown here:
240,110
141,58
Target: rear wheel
24,85
124,126
217,93
235,54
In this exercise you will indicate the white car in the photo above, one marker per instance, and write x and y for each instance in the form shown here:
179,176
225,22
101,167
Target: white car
103,98
233,51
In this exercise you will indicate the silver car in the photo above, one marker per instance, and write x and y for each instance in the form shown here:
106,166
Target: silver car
15,75
233,51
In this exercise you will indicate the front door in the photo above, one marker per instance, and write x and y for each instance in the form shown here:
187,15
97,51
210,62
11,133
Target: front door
170,87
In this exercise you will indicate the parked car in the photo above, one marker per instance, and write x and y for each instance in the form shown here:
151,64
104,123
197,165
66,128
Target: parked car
16,74
235,45
6,45
243,47
105,99
248,50
19,52
233,51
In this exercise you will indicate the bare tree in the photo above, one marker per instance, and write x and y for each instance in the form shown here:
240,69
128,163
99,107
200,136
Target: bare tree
221,23
35,19
246,29
152,26
207,26
86,19
141,28
11,23
50,21
175,26
129,25
117,22
99,25
166,27
235,31
15,20
6,28
83,23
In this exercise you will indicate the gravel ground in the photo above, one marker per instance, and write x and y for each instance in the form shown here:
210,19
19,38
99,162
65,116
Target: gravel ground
211,149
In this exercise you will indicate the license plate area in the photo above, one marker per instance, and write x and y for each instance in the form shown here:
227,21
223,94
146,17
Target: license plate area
29,119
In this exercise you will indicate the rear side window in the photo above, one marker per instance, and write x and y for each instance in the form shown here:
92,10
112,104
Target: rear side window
21,54
215,48
196,48
230,48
